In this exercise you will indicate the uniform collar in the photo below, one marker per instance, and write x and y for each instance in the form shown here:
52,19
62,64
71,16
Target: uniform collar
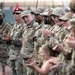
31,24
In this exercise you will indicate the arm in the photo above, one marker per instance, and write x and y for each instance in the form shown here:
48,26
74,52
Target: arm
43,71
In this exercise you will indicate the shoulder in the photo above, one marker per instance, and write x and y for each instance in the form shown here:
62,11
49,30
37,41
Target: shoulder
7,24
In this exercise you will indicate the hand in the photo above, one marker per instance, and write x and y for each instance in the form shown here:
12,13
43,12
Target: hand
58,47
31,63
6,37
55,64
46,33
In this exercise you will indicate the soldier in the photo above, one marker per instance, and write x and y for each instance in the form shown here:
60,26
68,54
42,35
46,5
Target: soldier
40,19
48,18
4,30
70,43
68,51
15,37
28,37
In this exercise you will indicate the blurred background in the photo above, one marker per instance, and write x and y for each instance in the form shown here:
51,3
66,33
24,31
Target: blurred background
9,5
33,3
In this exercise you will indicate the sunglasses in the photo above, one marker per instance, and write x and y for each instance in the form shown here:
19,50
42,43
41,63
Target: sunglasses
16,13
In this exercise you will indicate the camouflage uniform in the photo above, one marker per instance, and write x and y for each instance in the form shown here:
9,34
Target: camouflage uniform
72,64
40,40
59,35
16,61
28,42
4,29
28,46
68,67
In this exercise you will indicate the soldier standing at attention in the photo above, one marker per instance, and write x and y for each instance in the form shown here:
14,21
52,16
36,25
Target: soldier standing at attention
28,37
4,29
15,37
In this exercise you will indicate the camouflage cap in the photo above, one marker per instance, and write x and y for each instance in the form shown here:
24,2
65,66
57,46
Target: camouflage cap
66,17
38,11
1,13
46,12
25,13
58,11
72,24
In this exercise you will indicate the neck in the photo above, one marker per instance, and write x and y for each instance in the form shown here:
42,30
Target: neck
19,21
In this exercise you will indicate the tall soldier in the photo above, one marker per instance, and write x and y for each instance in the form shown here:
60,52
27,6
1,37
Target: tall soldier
4,29
16,37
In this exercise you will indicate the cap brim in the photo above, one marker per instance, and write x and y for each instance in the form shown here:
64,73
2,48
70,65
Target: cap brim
24,15
55,14
64,18
44,14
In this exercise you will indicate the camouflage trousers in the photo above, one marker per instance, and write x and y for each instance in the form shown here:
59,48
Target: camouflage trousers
17,66
5,69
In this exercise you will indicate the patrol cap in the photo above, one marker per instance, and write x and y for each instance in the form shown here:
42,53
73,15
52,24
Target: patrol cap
50,12
25,13
72,24
18,10
38,11
58,11
46,12
1,13
66,17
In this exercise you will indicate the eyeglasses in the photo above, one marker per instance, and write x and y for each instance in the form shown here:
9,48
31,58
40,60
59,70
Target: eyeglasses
16,13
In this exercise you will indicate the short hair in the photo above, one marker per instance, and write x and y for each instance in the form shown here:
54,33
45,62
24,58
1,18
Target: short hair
72,5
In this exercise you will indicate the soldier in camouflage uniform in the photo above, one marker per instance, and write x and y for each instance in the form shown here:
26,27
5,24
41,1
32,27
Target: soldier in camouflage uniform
4,30
16,61
28,38
70,43
39,18
68,65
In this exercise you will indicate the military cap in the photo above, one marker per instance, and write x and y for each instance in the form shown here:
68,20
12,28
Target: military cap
58,11
46,12
66,17
25,13
72,24
50,12
38,11
1,13
18,10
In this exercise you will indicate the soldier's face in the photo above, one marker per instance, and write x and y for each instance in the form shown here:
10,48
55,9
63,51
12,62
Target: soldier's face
56,19
38,18
27,19
17,16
